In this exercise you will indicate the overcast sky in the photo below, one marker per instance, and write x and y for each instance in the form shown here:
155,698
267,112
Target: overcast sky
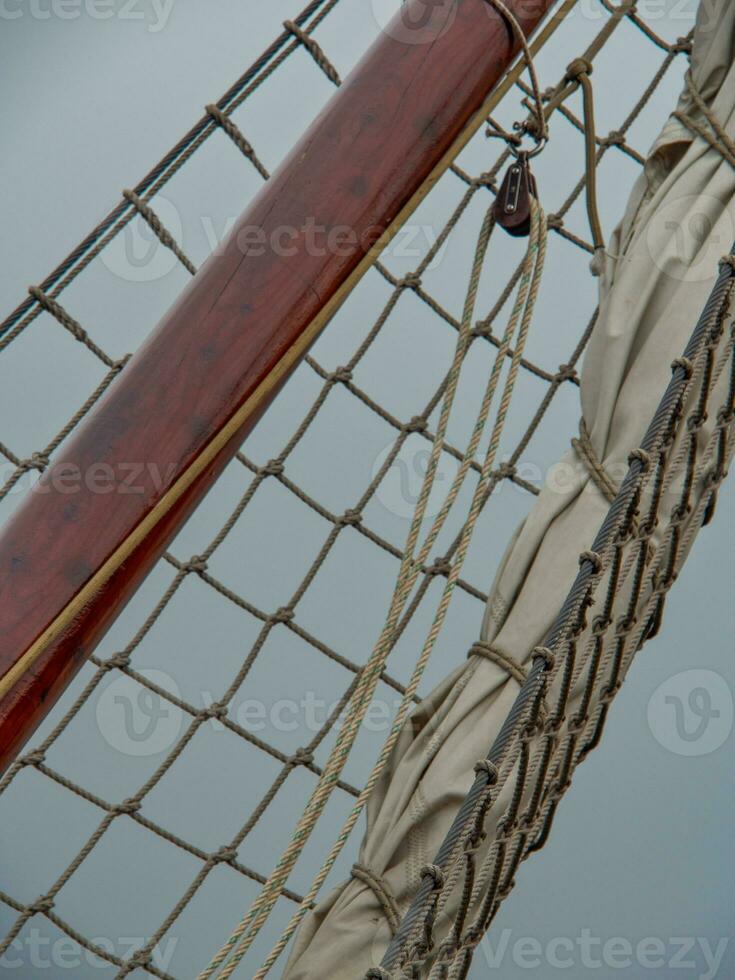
93,95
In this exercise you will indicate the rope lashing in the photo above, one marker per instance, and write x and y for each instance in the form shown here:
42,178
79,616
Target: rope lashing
545,654
434,873
227,125
314,50
488,652
596,470
489,769
158,228
382,893
68,322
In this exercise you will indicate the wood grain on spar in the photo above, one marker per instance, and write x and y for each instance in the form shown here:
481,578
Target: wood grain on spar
69,562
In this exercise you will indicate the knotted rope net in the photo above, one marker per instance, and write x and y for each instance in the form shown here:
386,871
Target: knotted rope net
589,649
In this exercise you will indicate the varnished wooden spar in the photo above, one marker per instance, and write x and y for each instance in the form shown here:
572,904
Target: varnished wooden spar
70,561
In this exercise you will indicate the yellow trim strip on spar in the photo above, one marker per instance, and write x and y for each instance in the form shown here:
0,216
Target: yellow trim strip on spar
292,355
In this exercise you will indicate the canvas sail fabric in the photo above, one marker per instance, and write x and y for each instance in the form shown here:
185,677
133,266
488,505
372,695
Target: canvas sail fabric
658,272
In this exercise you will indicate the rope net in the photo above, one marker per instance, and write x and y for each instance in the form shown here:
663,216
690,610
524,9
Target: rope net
275,573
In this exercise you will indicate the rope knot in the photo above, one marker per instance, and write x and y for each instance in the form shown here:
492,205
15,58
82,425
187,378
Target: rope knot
472,937
282,615
195,564
600,625
685,364
343,374
35,758
351,518
417,424
436,874
120,363
642,457
36,461
696,420
559,790
532,126
646,529
506,471
441,566
614,138
682,45
554,221
302,757
609,692
140,960
580,66
593,559
410,281
490,770
224,855
545,654
274,467
576,725
551,726
567,372
126,807
485,180
42,904
120,661
217,710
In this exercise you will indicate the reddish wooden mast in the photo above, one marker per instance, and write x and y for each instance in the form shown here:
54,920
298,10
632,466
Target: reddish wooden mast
182,406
